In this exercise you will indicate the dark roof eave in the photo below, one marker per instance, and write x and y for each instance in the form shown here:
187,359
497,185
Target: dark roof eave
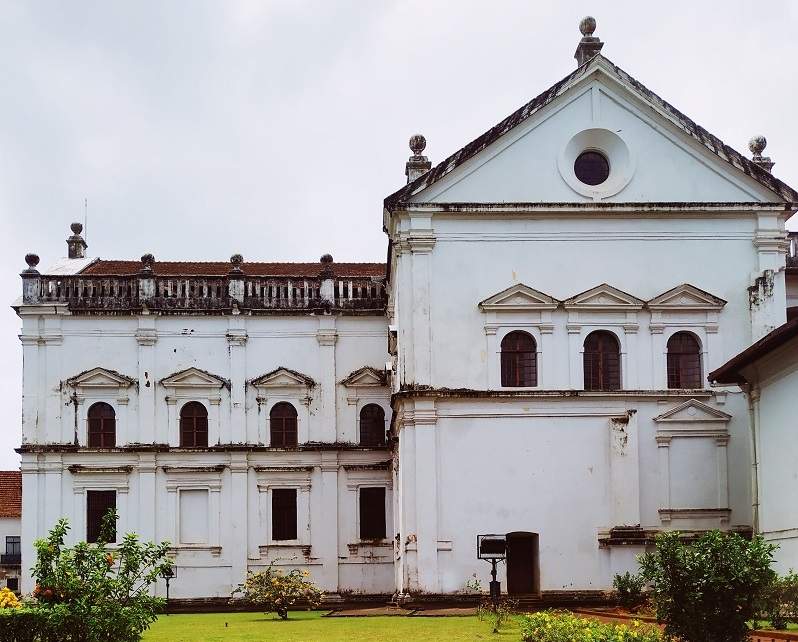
729,372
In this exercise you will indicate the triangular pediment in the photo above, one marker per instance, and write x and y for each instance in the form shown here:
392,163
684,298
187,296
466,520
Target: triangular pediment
100,378
693,411
193,378
604,297
519,298
686,297
283,378
520,159
365,377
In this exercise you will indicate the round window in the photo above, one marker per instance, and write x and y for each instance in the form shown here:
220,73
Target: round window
592,168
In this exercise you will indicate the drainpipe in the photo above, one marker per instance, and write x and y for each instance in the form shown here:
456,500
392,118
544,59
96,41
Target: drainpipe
752,393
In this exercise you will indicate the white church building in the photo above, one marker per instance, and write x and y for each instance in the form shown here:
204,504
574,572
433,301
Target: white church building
532,362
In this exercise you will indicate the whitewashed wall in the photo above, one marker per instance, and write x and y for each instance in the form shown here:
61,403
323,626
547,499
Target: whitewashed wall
227,532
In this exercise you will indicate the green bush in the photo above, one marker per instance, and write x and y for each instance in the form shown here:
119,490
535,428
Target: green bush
275,591
629,589
89,592
707,591
553,626
780,602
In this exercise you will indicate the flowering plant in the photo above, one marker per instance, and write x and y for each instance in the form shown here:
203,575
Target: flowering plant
8,600
553,626
276,591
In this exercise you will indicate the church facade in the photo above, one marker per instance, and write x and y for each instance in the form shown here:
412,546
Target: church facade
531,362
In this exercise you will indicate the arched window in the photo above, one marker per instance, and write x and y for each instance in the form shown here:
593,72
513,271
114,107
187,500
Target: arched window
194,425
519,360
282,419
602,361
372,426
684,361
102,426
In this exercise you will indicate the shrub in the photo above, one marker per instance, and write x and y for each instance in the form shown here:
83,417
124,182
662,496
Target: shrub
707,591
629,588
275,591
8,599
496,616
780,602
553,626
89,593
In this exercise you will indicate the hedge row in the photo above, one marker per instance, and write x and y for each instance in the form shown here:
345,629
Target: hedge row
37,624
553,626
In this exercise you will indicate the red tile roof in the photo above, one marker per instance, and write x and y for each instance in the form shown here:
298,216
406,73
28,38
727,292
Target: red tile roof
222,268
10,493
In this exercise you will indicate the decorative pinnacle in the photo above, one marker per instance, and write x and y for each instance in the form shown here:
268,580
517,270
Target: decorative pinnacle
236,260
587,26
76,228
32,260
417,144
326,258
757,145
147,262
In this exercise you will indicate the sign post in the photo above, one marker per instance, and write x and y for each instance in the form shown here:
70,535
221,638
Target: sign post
492,548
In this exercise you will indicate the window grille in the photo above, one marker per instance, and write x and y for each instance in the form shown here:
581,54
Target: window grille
519,360
283,425
102,426
684,361
194,425
602,361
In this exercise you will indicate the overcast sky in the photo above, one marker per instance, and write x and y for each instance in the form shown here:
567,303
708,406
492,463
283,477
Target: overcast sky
275,129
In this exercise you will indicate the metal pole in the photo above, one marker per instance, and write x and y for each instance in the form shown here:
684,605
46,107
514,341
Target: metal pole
167,596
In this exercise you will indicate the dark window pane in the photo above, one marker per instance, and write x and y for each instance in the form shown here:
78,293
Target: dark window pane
13,584
283,425
519,360
194,425
283,514
98,503
684,361
372,426
592,168
13,545
102,426
602,361
372,513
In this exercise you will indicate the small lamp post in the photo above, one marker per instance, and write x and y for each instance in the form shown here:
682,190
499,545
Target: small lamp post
168,574
492,548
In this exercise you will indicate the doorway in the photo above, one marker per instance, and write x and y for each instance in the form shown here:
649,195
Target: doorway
523,569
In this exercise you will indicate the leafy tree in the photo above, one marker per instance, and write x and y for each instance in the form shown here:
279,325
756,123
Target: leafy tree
93,593
629,588
708,590
275,591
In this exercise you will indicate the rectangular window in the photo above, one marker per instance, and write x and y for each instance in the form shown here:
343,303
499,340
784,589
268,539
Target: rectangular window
98,503
283,514
194,516
372,513
13,545
13,584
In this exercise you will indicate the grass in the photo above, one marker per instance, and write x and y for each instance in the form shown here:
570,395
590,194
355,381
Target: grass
307,626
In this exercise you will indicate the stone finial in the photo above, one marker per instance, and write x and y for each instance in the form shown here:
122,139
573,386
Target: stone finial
236,260
326,258
326,261
32,260
75,244
418,164
147,262
590,46
757,145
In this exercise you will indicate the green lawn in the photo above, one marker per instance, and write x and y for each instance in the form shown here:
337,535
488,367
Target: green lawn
303,626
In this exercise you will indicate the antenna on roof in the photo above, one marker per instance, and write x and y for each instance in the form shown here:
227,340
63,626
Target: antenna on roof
85,218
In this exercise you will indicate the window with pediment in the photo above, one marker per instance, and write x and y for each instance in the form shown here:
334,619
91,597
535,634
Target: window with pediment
283,425
602,361
519,360
684,361
102,426
193,425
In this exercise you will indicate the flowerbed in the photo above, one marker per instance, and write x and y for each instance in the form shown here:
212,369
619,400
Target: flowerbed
554,626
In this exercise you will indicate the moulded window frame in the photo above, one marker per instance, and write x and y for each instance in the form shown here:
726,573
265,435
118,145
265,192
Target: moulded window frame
532,329
700,334
586,331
